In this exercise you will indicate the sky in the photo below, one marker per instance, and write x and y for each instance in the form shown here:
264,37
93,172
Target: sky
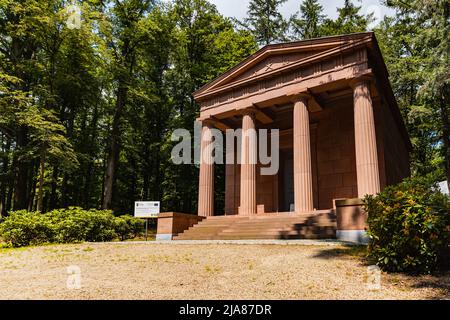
238,8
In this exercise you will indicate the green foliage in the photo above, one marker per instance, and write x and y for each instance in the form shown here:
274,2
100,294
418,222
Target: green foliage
69,225
349,20
310,21
128,227
409,226
77,103
265,21
415,47
24,228
307,23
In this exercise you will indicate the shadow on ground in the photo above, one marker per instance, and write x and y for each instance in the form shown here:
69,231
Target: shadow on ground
355,251
439,281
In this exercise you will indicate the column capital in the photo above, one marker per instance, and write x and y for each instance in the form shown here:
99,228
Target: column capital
208,122
304,96
361,79
250,111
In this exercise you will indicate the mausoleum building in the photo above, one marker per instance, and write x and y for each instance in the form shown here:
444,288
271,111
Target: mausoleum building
341,137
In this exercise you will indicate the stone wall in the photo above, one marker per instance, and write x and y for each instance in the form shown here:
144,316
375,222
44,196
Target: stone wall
396,159
336,153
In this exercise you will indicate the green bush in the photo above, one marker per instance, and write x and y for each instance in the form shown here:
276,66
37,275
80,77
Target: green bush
409,226
71,225
100,226
128,227
22,228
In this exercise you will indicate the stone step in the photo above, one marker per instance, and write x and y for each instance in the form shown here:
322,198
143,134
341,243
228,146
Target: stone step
268,218
258,237
266,222
317,225
262,230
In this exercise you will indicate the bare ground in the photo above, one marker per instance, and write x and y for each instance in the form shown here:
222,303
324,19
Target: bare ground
199,271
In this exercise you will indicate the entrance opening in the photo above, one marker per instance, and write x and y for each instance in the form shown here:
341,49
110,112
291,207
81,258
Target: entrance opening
287,181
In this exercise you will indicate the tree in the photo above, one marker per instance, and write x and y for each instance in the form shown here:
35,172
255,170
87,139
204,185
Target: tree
87,111
308,25
130,29
47,141
348,21
30,40
415,43
434,19
206,45
265,21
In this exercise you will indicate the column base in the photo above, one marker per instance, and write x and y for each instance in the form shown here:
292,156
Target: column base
351,221
355,236
164,237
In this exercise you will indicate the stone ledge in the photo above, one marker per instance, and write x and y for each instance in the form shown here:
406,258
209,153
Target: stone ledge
349,202
177,214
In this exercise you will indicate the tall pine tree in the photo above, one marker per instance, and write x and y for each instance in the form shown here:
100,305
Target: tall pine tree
306,24
416,47
349,20
265,21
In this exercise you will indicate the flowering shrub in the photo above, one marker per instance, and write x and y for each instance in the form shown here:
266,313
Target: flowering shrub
409,226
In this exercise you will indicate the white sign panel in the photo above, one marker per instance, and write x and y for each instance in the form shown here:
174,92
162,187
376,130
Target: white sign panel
146,209
443,186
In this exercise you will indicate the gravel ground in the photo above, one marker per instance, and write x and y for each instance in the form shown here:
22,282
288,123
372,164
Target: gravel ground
203,271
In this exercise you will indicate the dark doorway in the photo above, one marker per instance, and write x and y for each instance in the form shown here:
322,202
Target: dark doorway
287,181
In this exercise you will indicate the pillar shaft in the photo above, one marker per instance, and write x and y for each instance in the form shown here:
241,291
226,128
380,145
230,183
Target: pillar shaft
303,188
206,178
248,165
367,171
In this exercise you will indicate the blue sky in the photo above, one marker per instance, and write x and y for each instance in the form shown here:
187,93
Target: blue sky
238,8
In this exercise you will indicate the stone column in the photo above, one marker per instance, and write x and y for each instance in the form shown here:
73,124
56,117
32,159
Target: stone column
367,171
248,164
206,178
303,185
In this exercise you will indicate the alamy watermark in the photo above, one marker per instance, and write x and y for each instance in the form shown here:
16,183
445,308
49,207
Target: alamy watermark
373,278
74,19
208,147
73,281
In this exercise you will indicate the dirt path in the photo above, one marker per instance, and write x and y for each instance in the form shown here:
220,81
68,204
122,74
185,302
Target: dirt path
163,271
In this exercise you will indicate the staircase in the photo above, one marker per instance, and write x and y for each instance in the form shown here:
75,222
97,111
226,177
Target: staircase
317,225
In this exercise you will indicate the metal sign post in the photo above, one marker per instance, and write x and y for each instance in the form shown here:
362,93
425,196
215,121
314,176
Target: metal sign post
146,229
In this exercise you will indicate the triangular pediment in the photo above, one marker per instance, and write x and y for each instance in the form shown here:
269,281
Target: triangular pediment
271,63
276,58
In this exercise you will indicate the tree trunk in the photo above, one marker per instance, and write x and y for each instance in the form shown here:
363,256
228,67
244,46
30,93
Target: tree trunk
41,181
114,150
53,195
4,182
9,196
20,189
445,133
32,187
